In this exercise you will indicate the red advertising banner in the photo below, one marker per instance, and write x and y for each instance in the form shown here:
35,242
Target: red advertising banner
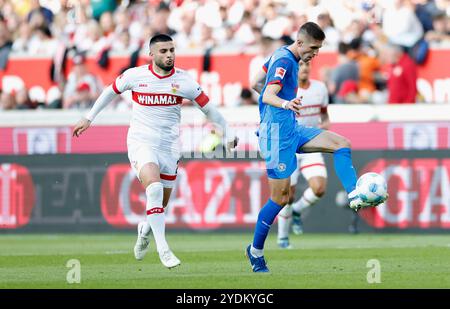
101,193
208,195
227,75
419,193
16,196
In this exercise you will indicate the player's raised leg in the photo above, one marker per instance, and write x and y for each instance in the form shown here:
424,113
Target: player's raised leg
331,142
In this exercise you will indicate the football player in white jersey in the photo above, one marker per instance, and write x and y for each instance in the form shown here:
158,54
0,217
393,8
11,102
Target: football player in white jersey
314,98
157,90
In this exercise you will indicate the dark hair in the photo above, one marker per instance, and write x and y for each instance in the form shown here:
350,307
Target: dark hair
286,39
343,48
246,93
355,44
160,38
438,15
313,30
45,30
162,7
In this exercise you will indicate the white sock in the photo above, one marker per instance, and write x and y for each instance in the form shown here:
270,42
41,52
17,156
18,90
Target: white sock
308,199
256,252
155,215
284,221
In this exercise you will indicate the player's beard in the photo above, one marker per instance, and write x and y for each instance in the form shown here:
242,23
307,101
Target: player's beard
164,66
303,81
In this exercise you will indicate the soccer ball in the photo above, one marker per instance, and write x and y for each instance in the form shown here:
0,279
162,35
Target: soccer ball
372,188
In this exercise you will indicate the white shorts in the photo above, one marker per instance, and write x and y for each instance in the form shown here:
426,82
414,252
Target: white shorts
310,165
141,154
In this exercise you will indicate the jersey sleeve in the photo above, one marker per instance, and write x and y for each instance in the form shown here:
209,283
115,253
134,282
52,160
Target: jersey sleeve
195,93
265,66
278,71
123,82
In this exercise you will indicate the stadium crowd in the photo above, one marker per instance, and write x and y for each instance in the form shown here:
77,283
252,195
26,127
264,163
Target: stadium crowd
380,42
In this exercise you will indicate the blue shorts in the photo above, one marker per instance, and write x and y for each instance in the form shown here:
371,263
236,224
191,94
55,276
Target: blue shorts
279,155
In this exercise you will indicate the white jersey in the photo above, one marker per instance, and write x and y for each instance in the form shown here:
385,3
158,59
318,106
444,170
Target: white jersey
314,102
157,102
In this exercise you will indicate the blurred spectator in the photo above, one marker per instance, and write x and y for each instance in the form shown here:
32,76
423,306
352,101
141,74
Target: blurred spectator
37,20
122,43
246,98
206,39
37,8
346,70
99,7
245,32
277,24
107,25
297,19
369,66
441,30
208,13
41,42
425,10
184,37
314,9
7,101
16,99
227,39
82,87
331,34
401,25
266,47
159,21
5,45
358,29
97,26
94,41
22,41
402,76
239,22
349,93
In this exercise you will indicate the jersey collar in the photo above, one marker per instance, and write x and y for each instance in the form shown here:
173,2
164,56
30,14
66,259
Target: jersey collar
292,54
150,67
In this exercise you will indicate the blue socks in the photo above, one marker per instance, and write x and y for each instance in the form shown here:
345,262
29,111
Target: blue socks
265,220
344,168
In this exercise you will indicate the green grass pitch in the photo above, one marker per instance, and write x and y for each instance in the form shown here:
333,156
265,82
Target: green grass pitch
216,260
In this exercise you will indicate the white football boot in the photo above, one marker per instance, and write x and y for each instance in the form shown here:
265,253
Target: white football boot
169,259
142,243
356,203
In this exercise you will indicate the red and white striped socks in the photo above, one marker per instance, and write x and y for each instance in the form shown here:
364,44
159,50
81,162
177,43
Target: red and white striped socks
308,199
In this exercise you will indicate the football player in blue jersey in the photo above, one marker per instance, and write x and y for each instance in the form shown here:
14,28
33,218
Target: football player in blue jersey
280,137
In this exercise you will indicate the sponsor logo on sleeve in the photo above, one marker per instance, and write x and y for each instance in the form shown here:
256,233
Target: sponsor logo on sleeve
280,72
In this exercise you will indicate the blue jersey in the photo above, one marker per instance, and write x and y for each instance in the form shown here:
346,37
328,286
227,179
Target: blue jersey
278,123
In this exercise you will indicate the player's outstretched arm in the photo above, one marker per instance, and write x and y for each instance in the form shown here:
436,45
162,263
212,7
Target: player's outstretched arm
258,81
81,126
216,117
270,97
105,97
